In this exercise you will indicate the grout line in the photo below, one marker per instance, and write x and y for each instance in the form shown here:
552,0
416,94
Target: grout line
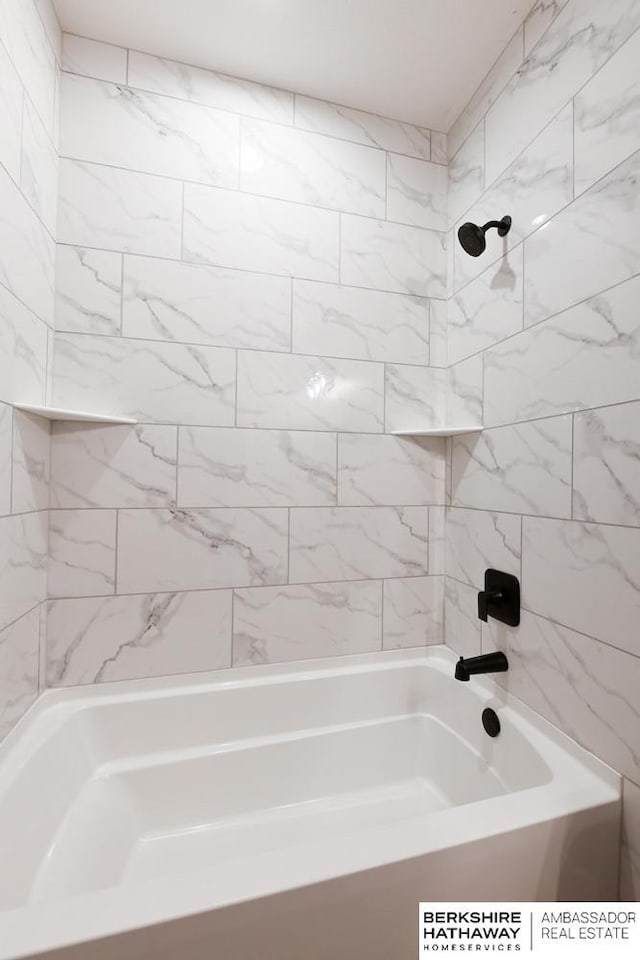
116,553
573,434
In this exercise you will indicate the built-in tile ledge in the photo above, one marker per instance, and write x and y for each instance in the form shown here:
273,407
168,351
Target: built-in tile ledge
438,431
59,413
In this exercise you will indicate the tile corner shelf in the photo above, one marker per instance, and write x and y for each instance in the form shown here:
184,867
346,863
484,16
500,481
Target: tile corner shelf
438,431
78,416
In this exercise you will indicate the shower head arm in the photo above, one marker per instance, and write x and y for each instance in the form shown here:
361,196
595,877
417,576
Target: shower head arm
492,223
502,226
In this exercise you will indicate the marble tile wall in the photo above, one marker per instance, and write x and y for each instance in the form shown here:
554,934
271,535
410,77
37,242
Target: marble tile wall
549,490
259,279
30,45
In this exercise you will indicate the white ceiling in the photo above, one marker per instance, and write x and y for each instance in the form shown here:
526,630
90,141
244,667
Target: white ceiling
414,60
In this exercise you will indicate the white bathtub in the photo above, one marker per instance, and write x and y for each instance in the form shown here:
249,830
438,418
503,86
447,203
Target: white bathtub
287,812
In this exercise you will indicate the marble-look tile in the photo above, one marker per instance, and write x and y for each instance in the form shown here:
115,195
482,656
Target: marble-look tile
392,256
354,543
413,612
361,324
309,393
630,854
360,127
416,192
466,175
90,58
585,576
51,25
126,638
31,463
580,40
82,553
19,646
414,397
28,252
212,89
437,534
118,126
524,468
607,116
438,311
23,564
461,624
113,466
23,351
169,382
289,164
27,43
478,540
386,470
253,233
586,357
196,304
11,97
118,210
606,465
464,392
6,443
439,148
588,247
200,549
491,87
488,309
88,290
274,624
256,468
39,169
538,21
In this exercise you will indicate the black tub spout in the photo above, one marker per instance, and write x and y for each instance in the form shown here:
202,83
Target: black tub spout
487,663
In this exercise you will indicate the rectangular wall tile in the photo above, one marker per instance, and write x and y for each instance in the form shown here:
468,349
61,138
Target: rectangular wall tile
466,175
39,169
119,210
386,470
585,576
6,451
630,858
256,468
111,124
147,381
437,533
93,59
439,148
200,549
606,467
478,540
11,96
23,564
461,623
82,553
414,397
524,468
209,305
28,45
416,192
288,164
252,233
391,256
113,466
31,463
126,638
413,612
274,624
438,310
19,646
309,393
88,290
542,15
464,392
354,543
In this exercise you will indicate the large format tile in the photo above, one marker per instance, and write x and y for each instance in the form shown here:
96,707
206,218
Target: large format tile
309,393
525,468
88,290
606,465
200,549
253,233
466,175
115,209
464,392
416,192
461,624
272,624
113,466
414,397
31,463
27,43
93,59
19,657
126,638
39,169
23,564
256,468
11,97
540,18
381,469
478,540
413,612
197,304
118,126
82,553
585,576
23,352
169,382
341,321
630,854
354,543
288,164
6,452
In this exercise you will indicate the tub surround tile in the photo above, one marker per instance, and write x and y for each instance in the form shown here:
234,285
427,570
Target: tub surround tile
437,536
630,866
309,393
414,397
413,612
165,300
387,470
126,638
478,540
255,468
606,472
31,463
275,624
26,42
200,549
23,564
461,625
439,148
82,553
464,394
39,169
466,175
94,59
6,454
416,192
11,97
19,660
113,466
540,18
438,310
88,290
170,382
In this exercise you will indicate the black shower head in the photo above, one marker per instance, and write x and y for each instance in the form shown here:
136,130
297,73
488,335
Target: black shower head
472,237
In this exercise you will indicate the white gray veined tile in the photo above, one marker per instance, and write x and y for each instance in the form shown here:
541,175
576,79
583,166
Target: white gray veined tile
27,43
414,397
31,463
381,469
123,638
309,393
11,97
466,175
540,18
19,645
606,470
413,611
169,382
630,854
94,59
461,624
197,304
201,549
51,25
275,624
464,392
88,290
39,169
478,540
416,192
6,443
439,148
23,564
354,543
82,553
438,310
23,352
255,468
437,529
